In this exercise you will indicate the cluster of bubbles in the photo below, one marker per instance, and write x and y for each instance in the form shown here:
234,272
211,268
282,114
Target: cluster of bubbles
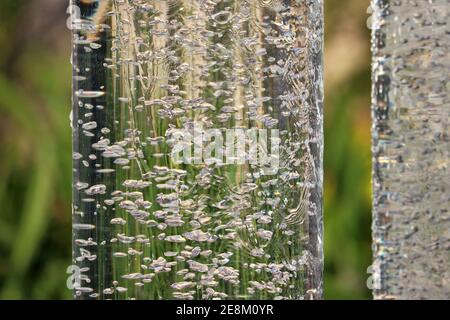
411,138
148,228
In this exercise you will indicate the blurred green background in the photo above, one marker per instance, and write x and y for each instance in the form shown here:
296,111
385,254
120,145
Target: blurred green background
35,158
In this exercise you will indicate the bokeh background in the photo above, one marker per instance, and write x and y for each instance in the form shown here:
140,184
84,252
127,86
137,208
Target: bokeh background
35,156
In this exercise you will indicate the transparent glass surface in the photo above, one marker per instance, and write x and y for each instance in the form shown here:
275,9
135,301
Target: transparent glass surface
157,214
411,148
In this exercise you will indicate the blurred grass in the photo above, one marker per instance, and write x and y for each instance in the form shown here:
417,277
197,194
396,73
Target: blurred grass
35,166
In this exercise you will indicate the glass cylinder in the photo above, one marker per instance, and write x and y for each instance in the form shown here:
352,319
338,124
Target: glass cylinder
411,149
197,147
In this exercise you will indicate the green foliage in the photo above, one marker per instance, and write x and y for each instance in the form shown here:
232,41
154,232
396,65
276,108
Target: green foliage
35,175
